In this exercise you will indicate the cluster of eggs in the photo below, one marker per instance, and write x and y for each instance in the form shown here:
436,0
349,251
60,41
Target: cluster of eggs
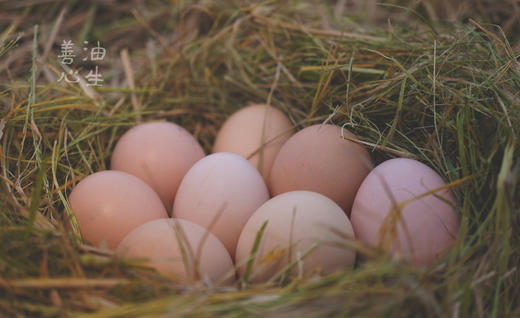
268,200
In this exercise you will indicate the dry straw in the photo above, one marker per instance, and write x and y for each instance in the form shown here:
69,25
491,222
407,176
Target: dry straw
404,82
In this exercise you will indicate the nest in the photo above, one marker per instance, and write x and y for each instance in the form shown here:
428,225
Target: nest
409,85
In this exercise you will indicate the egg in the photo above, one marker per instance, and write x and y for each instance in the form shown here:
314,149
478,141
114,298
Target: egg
317,159
257,133
303,227
159,153
396,209
179,248
109,204
220,192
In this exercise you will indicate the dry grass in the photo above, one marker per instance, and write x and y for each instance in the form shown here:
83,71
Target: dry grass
429,83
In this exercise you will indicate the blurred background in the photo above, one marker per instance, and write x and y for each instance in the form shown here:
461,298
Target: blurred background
140,24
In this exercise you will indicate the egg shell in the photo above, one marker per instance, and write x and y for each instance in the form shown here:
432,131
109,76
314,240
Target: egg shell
296,221
427,225
257,133
317,159
161,243
109,204
159,153
220,192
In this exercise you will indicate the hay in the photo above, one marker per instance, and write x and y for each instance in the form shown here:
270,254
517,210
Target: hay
445,93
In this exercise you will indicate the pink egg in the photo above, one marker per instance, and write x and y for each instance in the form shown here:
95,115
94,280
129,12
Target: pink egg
159,153
220,192
109,204
256,132
303,227
181,249
428,223
318,159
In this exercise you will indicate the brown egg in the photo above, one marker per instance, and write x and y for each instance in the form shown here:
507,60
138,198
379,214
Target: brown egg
318,159
109,204
164,242
220,192
159,153
257,133
423,225
303,227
